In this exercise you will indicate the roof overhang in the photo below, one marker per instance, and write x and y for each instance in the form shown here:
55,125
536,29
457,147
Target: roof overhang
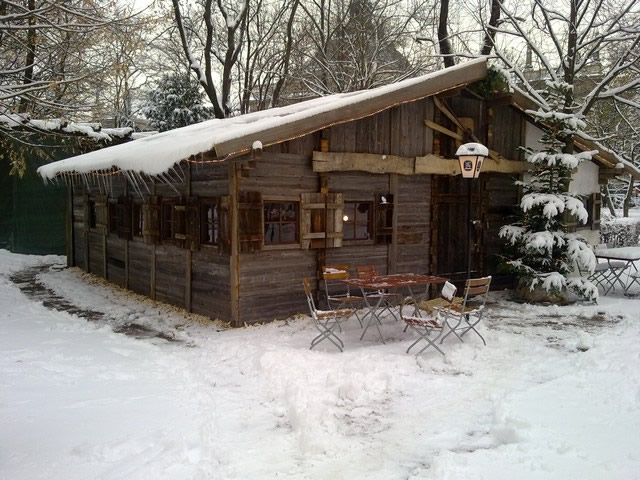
235,136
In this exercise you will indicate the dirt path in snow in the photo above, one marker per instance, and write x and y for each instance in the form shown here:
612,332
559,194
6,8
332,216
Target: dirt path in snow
28,283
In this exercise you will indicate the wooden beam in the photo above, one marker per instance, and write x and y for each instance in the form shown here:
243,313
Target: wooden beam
435,165
363,162
69,227
441,129
392,248
189,255
429,164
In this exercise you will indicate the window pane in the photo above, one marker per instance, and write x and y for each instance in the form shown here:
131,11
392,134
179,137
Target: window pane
271,233
288,233
271,212
289,212
362,221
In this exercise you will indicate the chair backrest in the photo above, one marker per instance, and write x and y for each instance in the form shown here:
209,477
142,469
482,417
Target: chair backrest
366,271
308,291
332,276
476,289
448,291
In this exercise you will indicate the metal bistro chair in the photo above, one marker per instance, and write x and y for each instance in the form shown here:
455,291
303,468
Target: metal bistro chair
325,320
425,326
387,299
338,294
465,316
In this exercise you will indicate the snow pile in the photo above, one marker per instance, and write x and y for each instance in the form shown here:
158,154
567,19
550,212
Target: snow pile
554,395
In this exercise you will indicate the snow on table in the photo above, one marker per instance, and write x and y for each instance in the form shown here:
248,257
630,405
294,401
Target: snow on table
619,253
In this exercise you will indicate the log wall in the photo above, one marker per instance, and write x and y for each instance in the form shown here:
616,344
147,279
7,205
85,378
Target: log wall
196,280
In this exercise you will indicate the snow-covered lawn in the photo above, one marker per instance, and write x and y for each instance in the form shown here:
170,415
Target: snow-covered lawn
554,395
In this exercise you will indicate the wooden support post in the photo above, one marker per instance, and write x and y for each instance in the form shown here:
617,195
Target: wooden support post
152,275
393,246
234,265
85,197
69,227
126,242
187,282
104,255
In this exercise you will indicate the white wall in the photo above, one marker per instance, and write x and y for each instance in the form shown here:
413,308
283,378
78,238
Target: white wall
584,180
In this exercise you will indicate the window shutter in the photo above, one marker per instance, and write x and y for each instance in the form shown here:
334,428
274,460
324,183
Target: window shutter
250,223
224,223
179,222
151,219
102,214
192,223
595,213
321,220
87,214
124,217
384,218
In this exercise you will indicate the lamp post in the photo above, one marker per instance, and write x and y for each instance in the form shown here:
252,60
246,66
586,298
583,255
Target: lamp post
471,157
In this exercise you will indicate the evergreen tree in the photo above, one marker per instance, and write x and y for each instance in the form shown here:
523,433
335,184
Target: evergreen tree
176,102
543,254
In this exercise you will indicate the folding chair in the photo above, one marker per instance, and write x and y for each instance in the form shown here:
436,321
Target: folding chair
634,278
387,299
425,326
464,317
606,273
325,320
338,294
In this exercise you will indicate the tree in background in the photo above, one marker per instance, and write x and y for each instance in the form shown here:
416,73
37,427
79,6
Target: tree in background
177,101
542,253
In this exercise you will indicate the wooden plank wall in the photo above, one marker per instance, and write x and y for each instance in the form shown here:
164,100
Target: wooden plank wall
506,131
79,243
359,186
397,131
413,206
210,273
271,280
160,270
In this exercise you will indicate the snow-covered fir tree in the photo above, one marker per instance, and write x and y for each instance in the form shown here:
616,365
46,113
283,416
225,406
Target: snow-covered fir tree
542,254
176,102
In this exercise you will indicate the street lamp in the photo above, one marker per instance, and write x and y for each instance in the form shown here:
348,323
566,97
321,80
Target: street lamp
471,157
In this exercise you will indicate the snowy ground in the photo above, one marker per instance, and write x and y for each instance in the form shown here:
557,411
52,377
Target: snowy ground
554,395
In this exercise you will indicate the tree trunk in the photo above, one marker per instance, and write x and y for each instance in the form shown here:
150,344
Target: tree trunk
30,59
490,33
607,199
627,198
443,35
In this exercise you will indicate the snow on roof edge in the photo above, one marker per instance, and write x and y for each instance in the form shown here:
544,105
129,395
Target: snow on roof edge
158,154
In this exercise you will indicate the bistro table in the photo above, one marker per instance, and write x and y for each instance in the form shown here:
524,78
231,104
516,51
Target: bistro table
389,282
624,254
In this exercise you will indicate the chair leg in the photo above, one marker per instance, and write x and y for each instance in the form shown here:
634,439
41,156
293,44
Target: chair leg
327,333
424,335
472,326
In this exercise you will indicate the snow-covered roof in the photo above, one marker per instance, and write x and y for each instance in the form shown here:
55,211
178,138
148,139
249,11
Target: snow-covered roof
234,136
582,140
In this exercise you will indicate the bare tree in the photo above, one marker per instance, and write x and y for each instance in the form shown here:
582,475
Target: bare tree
348,45
219,44
46,58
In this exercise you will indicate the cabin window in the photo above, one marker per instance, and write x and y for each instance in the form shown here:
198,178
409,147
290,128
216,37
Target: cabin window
357,221
93,214
384,218
281,223
137,219
115,217
208,221
173,224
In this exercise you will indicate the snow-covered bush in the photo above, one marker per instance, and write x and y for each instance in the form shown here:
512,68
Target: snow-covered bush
176,102
541,252
620,232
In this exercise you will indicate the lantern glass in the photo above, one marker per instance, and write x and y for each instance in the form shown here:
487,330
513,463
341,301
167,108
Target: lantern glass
468,166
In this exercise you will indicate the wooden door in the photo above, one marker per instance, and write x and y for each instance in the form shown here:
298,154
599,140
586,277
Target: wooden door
449,227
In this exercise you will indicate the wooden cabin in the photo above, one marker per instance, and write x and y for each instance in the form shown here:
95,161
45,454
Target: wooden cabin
226,217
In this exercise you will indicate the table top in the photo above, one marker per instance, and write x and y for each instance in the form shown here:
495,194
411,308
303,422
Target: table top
620,253
384,282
